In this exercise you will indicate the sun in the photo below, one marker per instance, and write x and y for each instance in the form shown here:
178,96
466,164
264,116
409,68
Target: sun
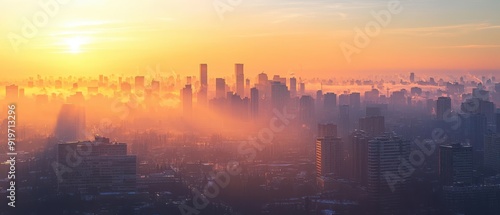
75,43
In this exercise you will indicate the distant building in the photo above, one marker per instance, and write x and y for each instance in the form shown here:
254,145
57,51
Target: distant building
455,164
373,111
102,167
139,83
373,125
220,88
359,143
240,80
279,95
328,156
344,121
11,93
306,110
70,124
302,89
443,105
187,100
293,87
384,159
497,120
492,152
355,101
343,99
327,130
203,91
254,103
472,199
330,105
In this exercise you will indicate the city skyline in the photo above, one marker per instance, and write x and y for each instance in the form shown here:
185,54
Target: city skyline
250,107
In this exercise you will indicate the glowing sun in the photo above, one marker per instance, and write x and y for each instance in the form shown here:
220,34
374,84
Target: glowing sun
75,44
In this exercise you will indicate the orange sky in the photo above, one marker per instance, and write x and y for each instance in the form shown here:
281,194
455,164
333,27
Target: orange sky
90,37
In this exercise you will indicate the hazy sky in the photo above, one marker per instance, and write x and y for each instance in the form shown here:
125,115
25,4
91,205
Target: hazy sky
89,37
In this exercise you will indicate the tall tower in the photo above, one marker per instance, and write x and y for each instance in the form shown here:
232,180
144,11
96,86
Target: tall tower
203,93
455,164
329,105
240,80
139,83
70,123
344,121
279,95
384,160
443,104
492,152
372,125
293,87
359,143
220,88
187,100
11,93
254,103
328,155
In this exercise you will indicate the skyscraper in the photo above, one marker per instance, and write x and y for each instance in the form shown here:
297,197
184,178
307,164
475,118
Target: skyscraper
103,167
412,77
302,89
263,79
359,143
293,87
240,80
319,101
373,111
11,93
254,103
344,121
203,92
355,101
492,152
139,83
306,110
373,125
327,130
497,120
455,164
155,87
343,99
70,124
279,95
329,105
328,155
220,88
203,76
443,104
187,100
384,159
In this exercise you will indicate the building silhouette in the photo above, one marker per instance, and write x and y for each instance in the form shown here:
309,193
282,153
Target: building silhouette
70,124
455,164
443,105
240,80
384,159
102,167
220,88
